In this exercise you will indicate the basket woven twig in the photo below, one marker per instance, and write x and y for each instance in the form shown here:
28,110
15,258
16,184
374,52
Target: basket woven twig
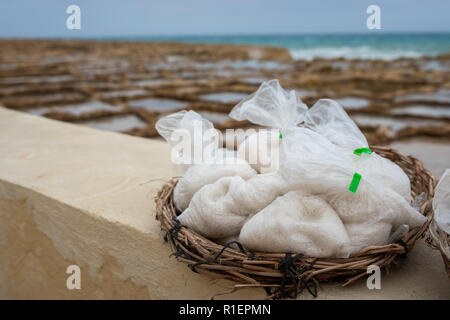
282,274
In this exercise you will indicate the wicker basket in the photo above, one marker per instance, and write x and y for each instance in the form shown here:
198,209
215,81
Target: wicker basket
281,274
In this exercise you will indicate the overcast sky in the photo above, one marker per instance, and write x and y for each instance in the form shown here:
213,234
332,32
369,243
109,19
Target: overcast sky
116,18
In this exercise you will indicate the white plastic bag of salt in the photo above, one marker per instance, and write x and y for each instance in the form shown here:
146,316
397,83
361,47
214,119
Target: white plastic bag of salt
441,202
201,175
441,222
188,133
196,149
261,150
270,106
323,218
297,222
371,212
312,163
234,198
219,209
273,107
329,119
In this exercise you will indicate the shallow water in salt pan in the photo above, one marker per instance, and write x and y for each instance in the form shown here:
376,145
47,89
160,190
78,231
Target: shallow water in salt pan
393,123
77,109
41,99
440,96
224,97
421,110
116,123
232,73
340,65
153,82
442,66
156,104
353,102
123,93
37,79
242,64
254,80
257,64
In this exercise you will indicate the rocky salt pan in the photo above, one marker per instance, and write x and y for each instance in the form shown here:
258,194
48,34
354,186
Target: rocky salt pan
213,77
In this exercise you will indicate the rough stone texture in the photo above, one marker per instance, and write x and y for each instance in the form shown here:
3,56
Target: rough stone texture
74,195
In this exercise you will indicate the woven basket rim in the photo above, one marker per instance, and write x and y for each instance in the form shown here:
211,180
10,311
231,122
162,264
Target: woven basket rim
286,274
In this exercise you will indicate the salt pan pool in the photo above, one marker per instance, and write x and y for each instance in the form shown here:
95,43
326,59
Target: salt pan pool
224,97
254,80
153,82
393,123
156,104
242,64
353,102
116,123
123,93
440,96
421,110
77,109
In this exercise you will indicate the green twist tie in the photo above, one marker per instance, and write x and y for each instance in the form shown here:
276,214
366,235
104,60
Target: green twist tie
360,151
355,182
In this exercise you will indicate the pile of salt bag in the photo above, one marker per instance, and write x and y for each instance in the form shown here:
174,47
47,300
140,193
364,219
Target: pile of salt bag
312,163
215,197
301,201
192,136
216,194
317,160
224,203
273,107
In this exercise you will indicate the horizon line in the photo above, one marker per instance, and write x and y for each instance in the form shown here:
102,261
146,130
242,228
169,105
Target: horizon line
168,36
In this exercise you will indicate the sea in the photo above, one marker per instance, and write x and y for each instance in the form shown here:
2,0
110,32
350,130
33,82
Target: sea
309,46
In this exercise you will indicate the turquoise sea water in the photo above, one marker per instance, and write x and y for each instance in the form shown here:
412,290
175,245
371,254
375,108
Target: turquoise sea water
367,46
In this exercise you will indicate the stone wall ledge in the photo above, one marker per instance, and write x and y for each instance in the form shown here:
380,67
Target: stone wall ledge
71,195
